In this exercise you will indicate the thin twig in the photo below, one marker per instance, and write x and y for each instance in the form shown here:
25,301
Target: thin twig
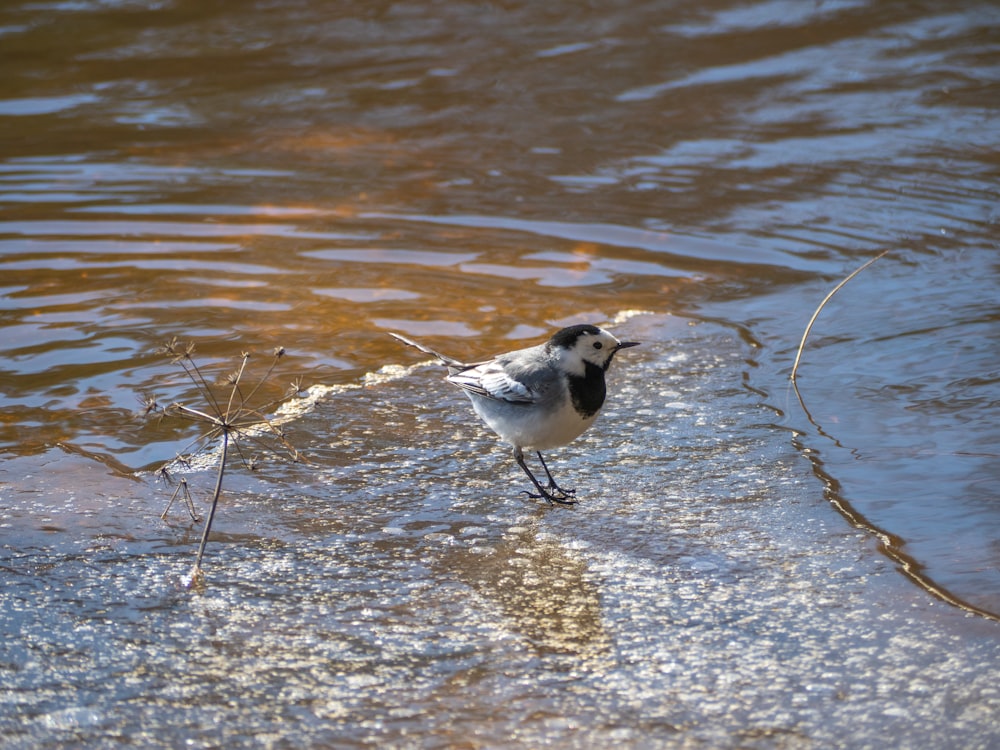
802,344
200,379
194,414
215,503
278,354
183,491
236,387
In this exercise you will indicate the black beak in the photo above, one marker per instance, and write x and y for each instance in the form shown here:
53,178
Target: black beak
626,344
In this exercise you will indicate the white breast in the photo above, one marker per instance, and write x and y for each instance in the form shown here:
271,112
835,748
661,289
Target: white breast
534,427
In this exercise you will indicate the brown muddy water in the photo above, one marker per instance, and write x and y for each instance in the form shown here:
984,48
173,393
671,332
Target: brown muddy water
747,567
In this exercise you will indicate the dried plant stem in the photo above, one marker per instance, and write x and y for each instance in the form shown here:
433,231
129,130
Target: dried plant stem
812,320
185,492
215,503
229,418
236,384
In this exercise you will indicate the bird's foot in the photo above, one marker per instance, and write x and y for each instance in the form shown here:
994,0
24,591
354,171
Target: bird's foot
554,495
553,487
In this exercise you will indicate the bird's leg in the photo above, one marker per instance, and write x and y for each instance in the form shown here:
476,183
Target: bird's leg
542,492
552,482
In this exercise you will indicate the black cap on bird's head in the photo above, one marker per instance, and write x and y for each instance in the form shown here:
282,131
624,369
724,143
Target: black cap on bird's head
567,337
592,344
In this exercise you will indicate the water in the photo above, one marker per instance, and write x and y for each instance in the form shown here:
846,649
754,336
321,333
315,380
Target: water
748,566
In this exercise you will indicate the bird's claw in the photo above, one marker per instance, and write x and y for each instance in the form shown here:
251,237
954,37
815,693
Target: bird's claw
566,497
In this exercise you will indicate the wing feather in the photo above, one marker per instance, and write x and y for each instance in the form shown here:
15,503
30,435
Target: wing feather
489,379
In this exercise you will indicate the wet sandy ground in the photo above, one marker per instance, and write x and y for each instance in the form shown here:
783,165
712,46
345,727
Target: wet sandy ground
402,593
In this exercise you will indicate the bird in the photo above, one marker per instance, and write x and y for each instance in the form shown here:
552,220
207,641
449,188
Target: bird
541,397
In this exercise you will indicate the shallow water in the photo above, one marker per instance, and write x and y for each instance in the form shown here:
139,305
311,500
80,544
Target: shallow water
747,566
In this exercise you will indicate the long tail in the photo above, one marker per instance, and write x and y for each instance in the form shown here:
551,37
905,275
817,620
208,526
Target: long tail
443,359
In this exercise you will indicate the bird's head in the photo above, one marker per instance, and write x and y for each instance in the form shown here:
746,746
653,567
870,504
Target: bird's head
577,345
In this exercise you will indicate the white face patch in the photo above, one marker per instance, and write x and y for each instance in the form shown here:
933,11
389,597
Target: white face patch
596,348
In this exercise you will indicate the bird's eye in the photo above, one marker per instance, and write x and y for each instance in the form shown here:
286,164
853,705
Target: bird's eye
598,345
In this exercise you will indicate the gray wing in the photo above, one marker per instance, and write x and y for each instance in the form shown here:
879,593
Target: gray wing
515,378
492,381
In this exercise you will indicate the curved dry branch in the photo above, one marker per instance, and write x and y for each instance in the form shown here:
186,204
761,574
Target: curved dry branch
812,320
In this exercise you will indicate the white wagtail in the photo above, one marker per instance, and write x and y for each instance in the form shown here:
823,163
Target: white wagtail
541,397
